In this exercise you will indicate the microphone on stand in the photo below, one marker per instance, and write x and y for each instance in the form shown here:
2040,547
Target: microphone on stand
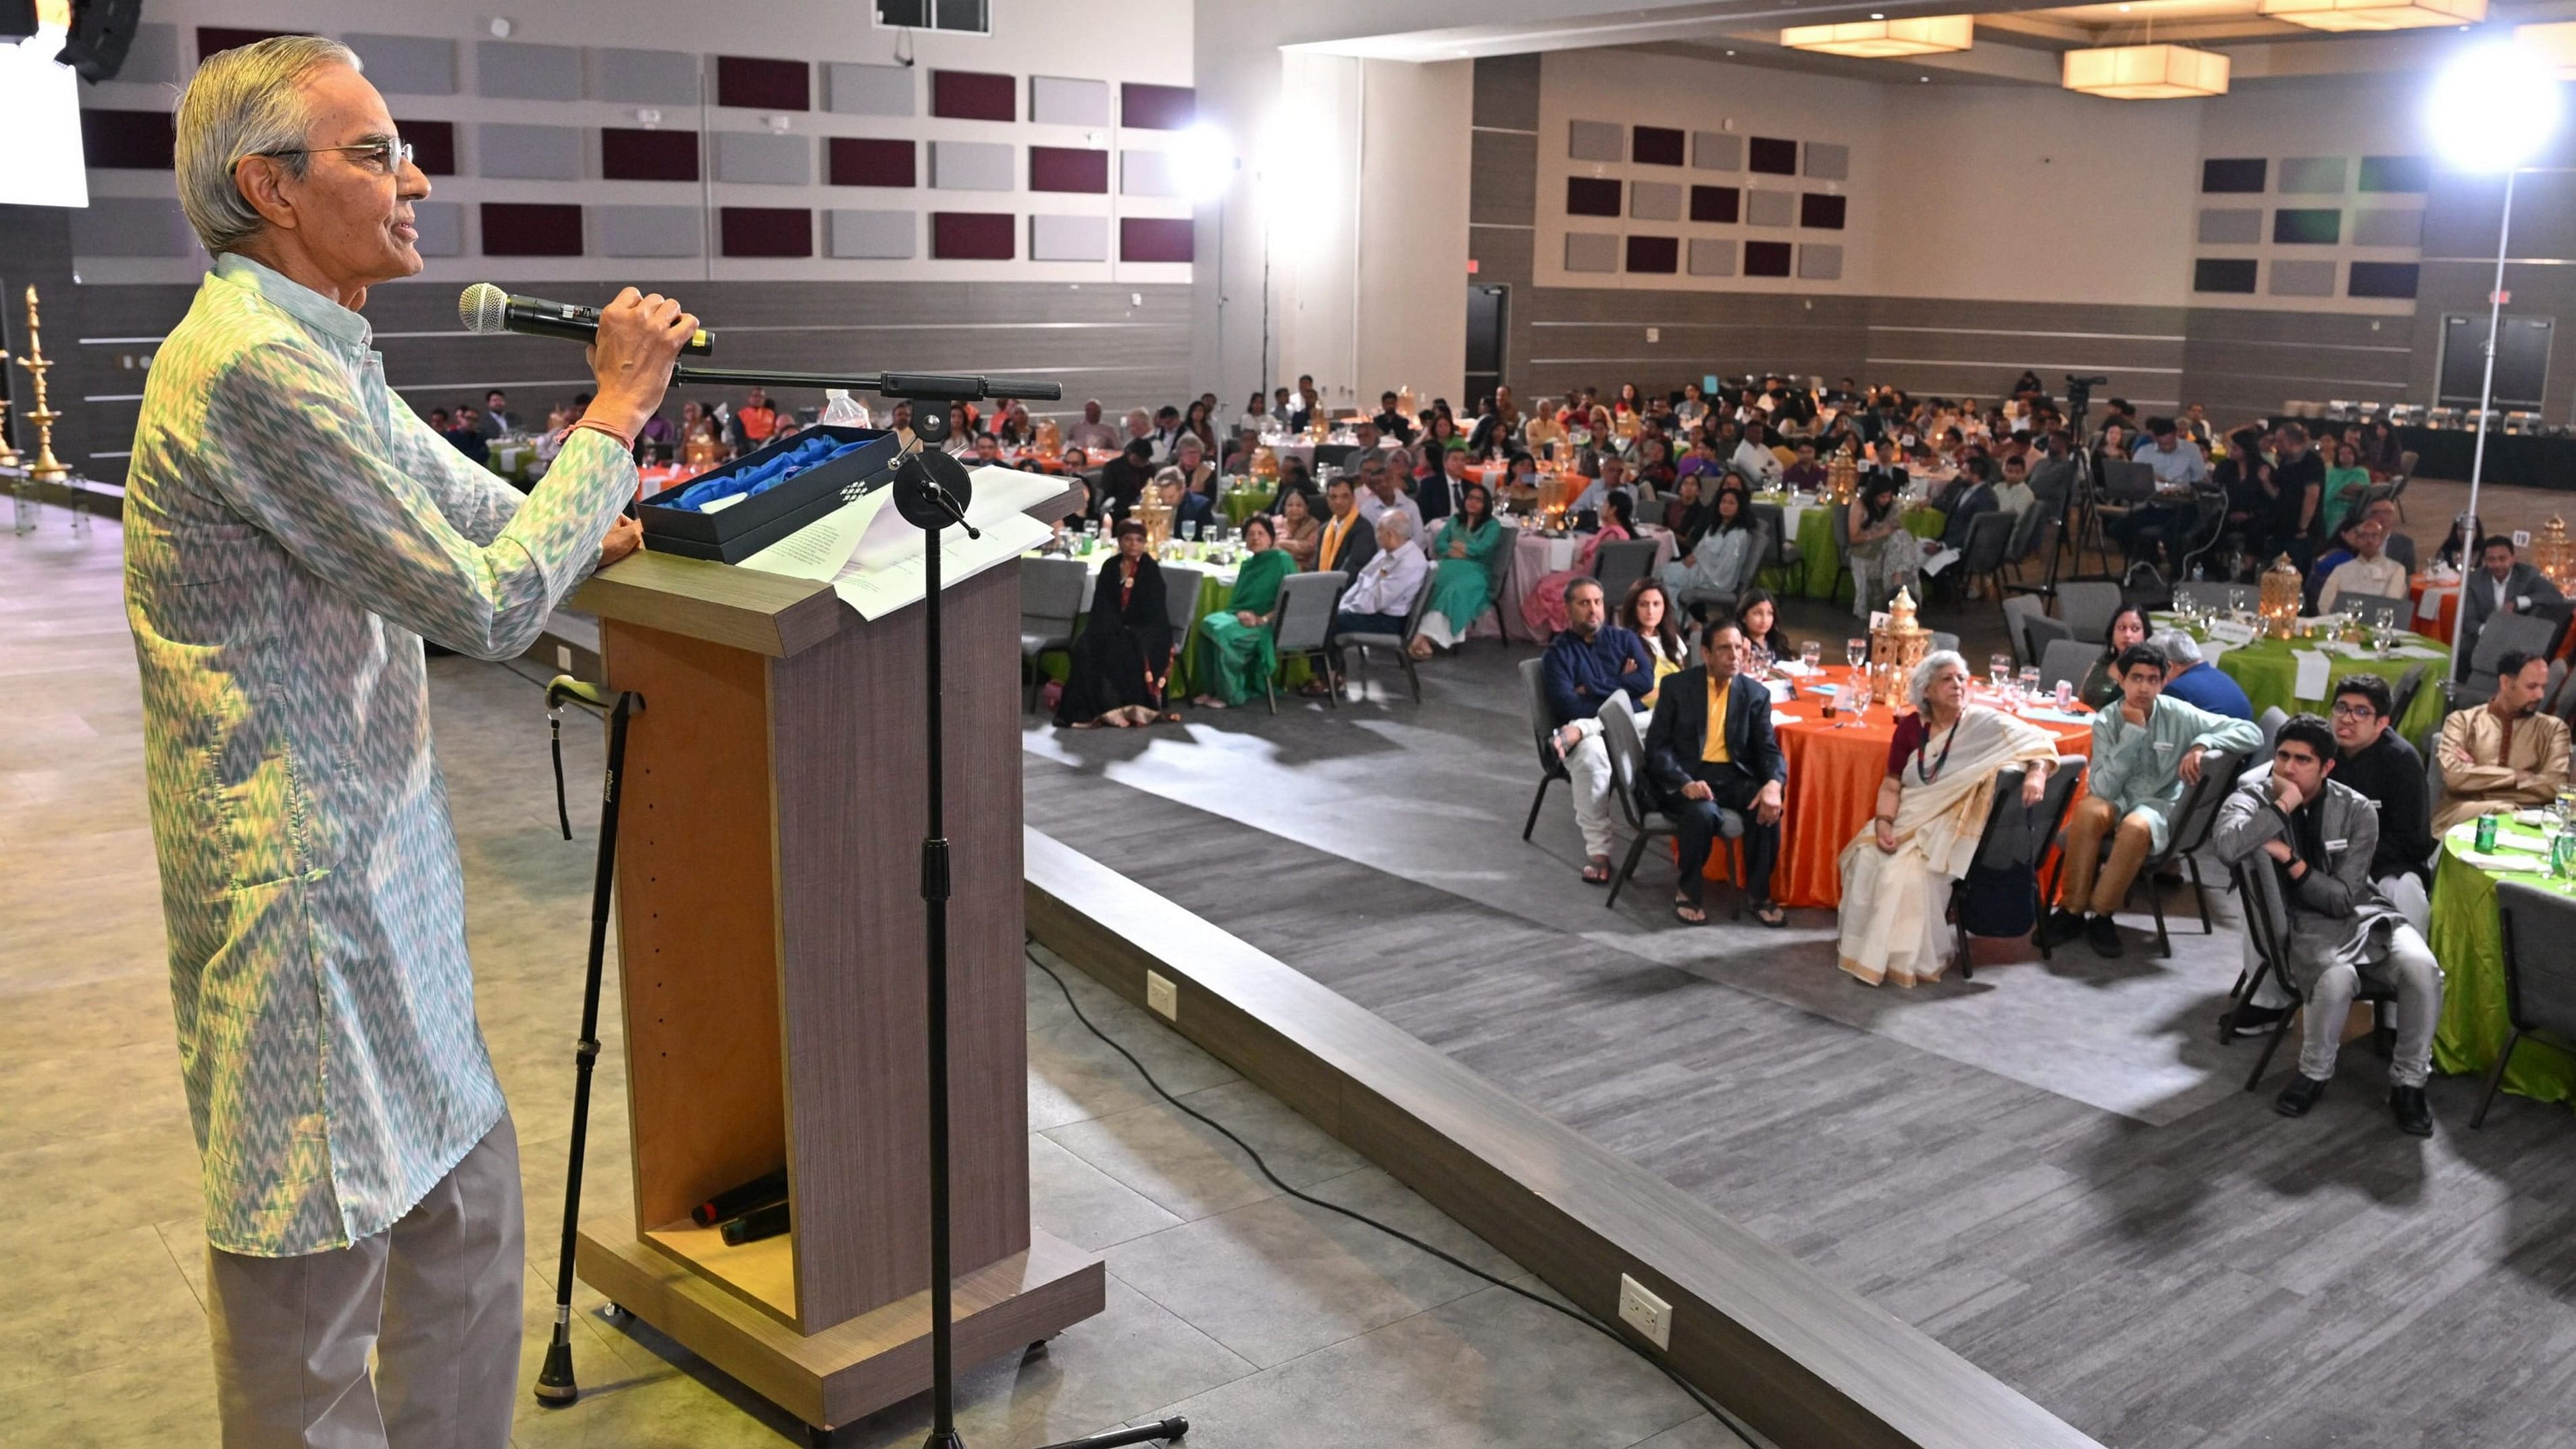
486,309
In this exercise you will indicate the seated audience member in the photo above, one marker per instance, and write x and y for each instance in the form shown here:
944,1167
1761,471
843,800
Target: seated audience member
1297,529
2346,481
1347,540
1544,606
1124,652
2370,571
2144,752
1192,513
1542,429
2500,586
1969,496
1722,563
1166,434
1754,459
1382,492
2100,688
1462,578
1757,616
1123,478
1884,555
1613,480
1390,419
1687,513
2322,836
1649,614
467,435
988,446
1587,661
2506,754
2013,495
754,421
1806,475
2195,680
2176,463
1380,598
1256,420
1235,642
1189,459
1437,496
1709,748
1929,819
497,418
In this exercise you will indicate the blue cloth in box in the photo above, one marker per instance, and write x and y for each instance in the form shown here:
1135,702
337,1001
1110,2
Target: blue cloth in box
811,453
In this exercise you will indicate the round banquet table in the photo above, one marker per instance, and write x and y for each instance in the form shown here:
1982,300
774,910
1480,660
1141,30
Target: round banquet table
1534,555
1819,562
2437,603
2466,940
1834,770
2269,671
1216,590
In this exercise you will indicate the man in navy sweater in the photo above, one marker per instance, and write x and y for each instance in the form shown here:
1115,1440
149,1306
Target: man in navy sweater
2195,680
1590,661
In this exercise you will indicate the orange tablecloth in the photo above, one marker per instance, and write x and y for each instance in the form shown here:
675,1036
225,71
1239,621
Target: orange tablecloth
2447,596
1833,784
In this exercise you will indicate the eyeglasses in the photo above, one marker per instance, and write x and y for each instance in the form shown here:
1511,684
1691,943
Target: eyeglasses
2355,709
385,155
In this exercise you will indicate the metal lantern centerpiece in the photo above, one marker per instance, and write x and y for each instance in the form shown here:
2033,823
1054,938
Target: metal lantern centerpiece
2554,554
1895,647
1050,440
1265,464
1842,477
1151,511
2282,587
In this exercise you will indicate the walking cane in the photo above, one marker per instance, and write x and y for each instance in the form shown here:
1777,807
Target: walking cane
555,1384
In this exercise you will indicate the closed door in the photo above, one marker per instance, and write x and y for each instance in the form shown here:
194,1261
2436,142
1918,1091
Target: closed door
1485,312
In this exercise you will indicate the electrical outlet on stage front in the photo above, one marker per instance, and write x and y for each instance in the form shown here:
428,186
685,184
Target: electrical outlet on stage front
1162,996
1644,1312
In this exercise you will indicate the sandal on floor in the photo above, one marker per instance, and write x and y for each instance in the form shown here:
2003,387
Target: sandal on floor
1598,872
1689,914
1169,716
1771,915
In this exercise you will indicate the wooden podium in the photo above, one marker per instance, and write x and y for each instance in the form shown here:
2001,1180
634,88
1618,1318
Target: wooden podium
770,950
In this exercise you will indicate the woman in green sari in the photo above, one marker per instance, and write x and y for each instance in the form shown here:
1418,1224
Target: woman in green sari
1462,579
1236,640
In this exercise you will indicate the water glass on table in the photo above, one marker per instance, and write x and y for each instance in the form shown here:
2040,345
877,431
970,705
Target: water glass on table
1999,672
1811,654
1856,652
2029,681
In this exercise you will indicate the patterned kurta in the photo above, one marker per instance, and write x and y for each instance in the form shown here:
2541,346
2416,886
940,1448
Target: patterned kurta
292,530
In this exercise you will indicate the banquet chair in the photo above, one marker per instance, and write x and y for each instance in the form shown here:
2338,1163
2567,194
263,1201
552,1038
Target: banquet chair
2016,835
1842,550
2087,607
2397,486
1498,576
1645,822
1181,586
1617,565
2500,635
1551,765
1305,622
1401,644
1982,555
2402,698
2017,610
1941,641
2043,551
2194,816
2401,547
2270,722
2537,927
2267,930
1782,552
1051,592
2068,660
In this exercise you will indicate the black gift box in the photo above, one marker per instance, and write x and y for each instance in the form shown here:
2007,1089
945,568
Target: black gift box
735,533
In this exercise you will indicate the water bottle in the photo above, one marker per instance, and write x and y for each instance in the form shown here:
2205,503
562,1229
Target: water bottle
840,410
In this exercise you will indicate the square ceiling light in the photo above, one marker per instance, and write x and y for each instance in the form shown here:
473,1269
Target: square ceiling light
2554,42
2146,72
1885,39
2374,14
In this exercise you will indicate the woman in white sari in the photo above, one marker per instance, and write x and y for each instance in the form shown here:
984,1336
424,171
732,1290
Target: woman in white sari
1931,812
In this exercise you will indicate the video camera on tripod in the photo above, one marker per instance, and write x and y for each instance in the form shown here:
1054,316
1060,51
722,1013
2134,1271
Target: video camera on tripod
2079,398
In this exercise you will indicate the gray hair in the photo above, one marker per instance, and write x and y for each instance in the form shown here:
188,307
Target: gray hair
1930,665
244,102
1397,519
2179,649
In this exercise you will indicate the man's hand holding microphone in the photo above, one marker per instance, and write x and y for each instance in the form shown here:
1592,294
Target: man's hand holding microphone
640,337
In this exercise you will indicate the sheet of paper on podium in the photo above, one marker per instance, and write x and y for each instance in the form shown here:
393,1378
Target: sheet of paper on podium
874,558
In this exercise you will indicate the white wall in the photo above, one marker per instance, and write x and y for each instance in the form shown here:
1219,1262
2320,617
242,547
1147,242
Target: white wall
1412,321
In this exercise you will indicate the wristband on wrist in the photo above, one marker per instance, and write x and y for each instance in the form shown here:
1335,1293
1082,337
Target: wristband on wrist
595,425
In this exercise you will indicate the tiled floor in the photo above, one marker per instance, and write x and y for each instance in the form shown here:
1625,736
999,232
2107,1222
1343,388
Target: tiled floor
1266,1321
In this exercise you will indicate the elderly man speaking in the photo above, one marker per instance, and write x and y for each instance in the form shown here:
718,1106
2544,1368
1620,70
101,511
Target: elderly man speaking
292,534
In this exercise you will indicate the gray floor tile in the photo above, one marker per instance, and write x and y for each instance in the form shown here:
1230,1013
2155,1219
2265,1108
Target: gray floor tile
1077,1202
1190,1171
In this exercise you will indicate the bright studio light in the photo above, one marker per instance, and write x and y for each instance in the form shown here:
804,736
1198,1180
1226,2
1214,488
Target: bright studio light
1203,162
2492,108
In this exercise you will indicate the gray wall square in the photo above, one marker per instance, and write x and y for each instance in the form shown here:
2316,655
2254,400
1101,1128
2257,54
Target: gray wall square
647,231
868,90
1769,208
512,70
407,65
154,55
1056,100
876,235
1828,162
528,153
646,77
1820,263
2303,279
2314,175
132,226
973,165
1654,201
765,158
1146,173
2226,226
1068,238
1596,141
1591,251
1716,151
441,225
1712,257
2389,226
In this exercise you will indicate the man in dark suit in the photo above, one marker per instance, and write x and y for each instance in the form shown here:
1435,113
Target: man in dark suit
1123,479
2502,585
1711,748
1348,541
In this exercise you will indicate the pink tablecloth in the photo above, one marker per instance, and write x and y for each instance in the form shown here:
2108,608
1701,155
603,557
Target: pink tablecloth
1533,557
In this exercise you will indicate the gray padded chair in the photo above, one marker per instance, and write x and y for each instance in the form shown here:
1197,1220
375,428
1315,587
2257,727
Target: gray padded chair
2401,547
1396,642
1645,822
1984,552
2539,933
2194,816
1618,565
2087,606
1551,765
1306,603
1051,601
2270,722
1181,585
2018,608
2018,835
1942,641
2267,930
2501,635
2067,659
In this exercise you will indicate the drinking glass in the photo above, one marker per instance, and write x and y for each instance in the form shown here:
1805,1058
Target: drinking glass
1189,533
1810,653
1999,671
1856,652
2029,683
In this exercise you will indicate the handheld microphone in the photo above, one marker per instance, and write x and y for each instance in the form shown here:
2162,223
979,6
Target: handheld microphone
486,309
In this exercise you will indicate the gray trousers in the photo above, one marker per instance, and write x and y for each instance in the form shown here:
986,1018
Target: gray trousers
437,1297
2404,892
2408,965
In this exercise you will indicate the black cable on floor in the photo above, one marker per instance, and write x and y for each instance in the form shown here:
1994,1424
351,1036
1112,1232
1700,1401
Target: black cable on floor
1738,1426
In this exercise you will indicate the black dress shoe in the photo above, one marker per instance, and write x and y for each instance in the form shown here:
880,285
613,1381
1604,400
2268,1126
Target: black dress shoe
2255,1020
2105,936
2061,926
2299,1096
2414,1114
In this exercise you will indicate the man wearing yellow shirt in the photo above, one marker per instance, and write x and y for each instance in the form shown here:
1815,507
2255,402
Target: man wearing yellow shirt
1710,750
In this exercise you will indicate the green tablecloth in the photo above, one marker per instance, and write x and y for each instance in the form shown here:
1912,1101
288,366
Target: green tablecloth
2466,940
2270,675
1818,575
1241,504
510,460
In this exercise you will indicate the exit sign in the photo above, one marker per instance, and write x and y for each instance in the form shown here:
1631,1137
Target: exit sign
1471,266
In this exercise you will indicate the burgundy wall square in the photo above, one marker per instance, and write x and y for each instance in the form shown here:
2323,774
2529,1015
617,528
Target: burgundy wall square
767,231
433,145
1766,259
627,154
1068,168
871,161
128,140
213,40
973,236
1156,108
531,229
1155,238
1771,154
1591,196
974,95
1655,146
764,85
1819,210
1715,203
1654,254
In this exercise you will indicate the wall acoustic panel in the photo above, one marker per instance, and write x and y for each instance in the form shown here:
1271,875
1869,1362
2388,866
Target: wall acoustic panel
1591,196
2388,226
2303,279
1068,238
2307,226
1766,259
132,226
2396,173
433,145
974,95
873,235
2233,174
872,161
1773,155
1827,162
1056,100
650,231
512,70
971,236
441,225
127,140
973,166
1147,173
869,90
646,77
1068,168
2230,226
214,40
764,158
2384,279
2223,274
2314,175
153,56
1157,108
1716,151
761,83
1156,239
1820,263
398,65
1591,251
1821,211
531,229
1654,201
1654,254
1655,146
627,154
765,231
1720,204
1595,141
1769,208
1712,257
529,153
